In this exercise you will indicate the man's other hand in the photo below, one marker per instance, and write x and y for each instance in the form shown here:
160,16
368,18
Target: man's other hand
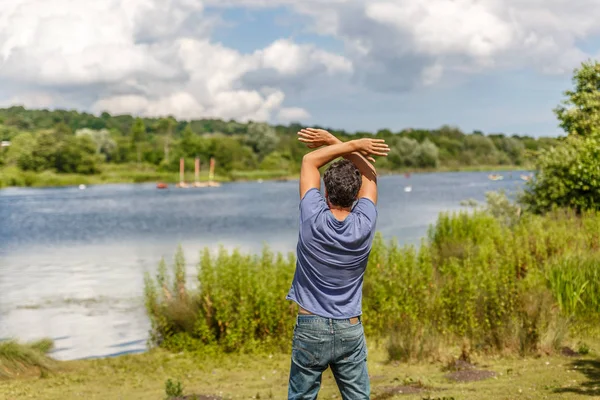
315,138
372,147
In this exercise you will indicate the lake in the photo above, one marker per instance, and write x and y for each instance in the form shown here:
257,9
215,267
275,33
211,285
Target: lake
72,261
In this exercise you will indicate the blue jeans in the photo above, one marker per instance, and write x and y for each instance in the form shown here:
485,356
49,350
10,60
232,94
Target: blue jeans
322,342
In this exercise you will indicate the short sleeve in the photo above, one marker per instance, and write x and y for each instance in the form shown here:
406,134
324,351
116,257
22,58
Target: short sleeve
365,208
312,203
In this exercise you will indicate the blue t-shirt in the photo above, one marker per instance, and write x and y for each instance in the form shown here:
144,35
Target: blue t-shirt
332,257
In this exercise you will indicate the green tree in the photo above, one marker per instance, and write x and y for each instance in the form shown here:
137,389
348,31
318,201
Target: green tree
138,135
404,153
568,175
427,155
479,150
166,127
513,148
47,146
262,138
105,144
20,152
230,153
276,161
77,155
580,111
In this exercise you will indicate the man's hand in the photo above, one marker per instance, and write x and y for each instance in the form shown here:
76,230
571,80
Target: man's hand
315,138
372,147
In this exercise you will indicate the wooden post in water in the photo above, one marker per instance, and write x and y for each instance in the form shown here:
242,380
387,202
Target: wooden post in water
182,183
211,174
181,171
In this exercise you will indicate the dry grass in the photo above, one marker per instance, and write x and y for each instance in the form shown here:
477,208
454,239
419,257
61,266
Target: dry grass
25,359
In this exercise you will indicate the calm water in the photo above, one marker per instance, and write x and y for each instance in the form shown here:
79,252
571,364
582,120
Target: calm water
72,261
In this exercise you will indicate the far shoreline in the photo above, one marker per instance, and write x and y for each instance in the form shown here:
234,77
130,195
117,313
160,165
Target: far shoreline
49,179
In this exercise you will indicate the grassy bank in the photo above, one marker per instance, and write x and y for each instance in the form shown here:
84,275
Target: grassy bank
264,376
123,173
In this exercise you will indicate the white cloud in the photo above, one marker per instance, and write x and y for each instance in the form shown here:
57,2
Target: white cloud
293,114
156,57
396,44
289,58
146,57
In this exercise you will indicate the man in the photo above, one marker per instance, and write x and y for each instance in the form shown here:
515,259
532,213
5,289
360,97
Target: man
333,250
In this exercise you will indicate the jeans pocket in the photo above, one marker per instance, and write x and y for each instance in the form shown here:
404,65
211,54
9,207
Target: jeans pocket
354,347
307,349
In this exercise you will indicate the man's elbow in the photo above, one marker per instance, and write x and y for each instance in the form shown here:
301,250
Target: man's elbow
307,159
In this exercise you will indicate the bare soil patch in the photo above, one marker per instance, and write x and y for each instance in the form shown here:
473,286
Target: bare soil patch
389,392
470,375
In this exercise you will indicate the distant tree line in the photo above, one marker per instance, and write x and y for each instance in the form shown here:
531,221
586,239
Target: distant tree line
75,142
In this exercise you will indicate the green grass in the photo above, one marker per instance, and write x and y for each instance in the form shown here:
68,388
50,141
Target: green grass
18,359
265,376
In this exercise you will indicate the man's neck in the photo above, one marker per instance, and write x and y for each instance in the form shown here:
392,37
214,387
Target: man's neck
340,213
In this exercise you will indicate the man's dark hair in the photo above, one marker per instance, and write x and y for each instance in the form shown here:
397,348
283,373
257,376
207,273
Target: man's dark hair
342,182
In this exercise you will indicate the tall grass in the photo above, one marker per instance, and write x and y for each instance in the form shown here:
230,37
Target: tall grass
239,304
17,358
575,283
494,284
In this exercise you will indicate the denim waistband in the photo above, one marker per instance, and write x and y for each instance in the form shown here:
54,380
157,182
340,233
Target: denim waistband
317,322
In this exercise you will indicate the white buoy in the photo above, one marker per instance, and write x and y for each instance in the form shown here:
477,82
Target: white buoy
408,189
82,187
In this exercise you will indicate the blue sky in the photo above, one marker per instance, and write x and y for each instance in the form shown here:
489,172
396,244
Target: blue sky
499,66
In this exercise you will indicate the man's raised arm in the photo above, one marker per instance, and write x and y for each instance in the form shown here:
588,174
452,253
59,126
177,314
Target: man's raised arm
320,137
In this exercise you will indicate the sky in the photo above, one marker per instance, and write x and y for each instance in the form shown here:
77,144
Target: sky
499,66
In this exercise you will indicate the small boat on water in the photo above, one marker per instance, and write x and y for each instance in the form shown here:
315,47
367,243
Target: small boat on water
162,185
526,177
495,177
408,189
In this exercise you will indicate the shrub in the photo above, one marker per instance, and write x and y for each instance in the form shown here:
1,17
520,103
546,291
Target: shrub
173,389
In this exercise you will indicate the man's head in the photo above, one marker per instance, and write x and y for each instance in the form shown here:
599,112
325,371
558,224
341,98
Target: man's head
342,183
